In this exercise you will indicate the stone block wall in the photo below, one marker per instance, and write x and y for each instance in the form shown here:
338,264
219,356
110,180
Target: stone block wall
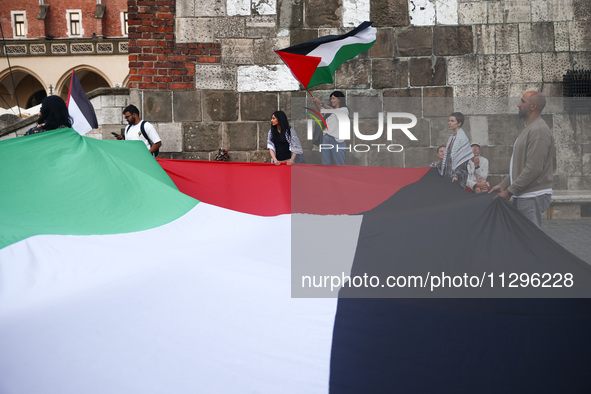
476,57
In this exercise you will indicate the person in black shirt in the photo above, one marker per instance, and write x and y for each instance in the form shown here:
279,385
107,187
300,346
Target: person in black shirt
282,140
53,115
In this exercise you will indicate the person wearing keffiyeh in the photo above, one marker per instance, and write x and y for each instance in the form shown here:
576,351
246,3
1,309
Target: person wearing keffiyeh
457,152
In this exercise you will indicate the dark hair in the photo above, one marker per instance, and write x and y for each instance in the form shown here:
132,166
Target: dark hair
439,147
459,117
54,113
132,109
283,125
341,96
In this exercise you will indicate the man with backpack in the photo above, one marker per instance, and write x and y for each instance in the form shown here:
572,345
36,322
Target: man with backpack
140,130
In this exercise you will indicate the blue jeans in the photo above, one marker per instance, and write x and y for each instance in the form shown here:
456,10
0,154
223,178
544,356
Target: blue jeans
300,159
331,154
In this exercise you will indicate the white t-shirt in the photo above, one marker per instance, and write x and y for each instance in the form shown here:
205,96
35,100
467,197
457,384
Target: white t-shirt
477,173
134,132
333,124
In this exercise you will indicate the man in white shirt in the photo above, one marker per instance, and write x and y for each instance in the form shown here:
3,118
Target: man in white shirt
477,171
149,136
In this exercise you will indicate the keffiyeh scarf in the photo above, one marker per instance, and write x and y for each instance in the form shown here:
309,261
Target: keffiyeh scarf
460,151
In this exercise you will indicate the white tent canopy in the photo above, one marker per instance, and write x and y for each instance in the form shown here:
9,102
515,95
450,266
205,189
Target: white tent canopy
25,113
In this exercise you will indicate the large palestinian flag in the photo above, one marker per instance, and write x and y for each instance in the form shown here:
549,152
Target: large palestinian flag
114,281
314,62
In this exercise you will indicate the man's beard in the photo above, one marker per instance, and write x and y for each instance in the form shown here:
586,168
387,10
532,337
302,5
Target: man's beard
522,114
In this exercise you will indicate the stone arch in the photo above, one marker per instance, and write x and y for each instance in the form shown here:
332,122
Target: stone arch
29,88
90,78
125,83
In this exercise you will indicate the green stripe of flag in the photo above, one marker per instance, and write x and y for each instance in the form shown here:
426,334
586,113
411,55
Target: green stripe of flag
65,183
314,62
324,74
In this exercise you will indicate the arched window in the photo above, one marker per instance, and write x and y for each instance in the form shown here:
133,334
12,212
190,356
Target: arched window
89,80
25,92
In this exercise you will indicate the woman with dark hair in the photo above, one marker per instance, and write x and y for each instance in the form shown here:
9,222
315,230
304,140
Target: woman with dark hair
53,115
333,148
440,153
282,141
457,152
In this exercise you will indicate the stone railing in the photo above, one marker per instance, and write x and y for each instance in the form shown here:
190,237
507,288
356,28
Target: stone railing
569,204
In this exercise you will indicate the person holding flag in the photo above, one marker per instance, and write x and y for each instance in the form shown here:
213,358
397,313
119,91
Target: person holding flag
314,62
52,115
332,148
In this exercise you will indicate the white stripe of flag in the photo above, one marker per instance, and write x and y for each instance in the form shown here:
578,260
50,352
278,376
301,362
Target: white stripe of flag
80,108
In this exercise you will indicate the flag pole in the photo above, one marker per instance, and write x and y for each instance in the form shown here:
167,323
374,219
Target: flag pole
70,90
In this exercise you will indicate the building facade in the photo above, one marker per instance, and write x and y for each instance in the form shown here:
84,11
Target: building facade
43,41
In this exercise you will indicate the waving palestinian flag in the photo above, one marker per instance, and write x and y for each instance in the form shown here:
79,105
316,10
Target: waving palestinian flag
314,62
122,274
80,108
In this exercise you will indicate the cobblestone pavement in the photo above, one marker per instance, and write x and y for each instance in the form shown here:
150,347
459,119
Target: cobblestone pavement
573,235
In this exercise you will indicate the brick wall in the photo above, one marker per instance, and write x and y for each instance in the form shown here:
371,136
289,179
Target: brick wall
112,17
156,60
35,28
55,23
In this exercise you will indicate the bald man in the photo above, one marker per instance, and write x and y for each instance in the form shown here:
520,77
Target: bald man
531,169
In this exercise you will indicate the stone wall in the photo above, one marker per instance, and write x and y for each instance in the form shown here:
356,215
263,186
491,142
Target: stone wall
437,56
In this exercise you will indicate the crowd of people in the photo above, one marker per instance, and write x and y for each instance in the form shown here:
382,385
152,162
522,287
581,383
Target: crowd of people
461,161
54,115
529,183
283,142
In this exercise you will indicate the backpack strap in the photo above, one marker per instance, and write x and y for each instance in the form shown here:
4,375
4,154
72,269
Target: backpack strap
143,130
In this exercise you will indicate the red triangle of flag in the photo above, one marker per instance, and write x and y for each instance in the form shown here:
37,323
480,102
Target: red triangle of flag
302,67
